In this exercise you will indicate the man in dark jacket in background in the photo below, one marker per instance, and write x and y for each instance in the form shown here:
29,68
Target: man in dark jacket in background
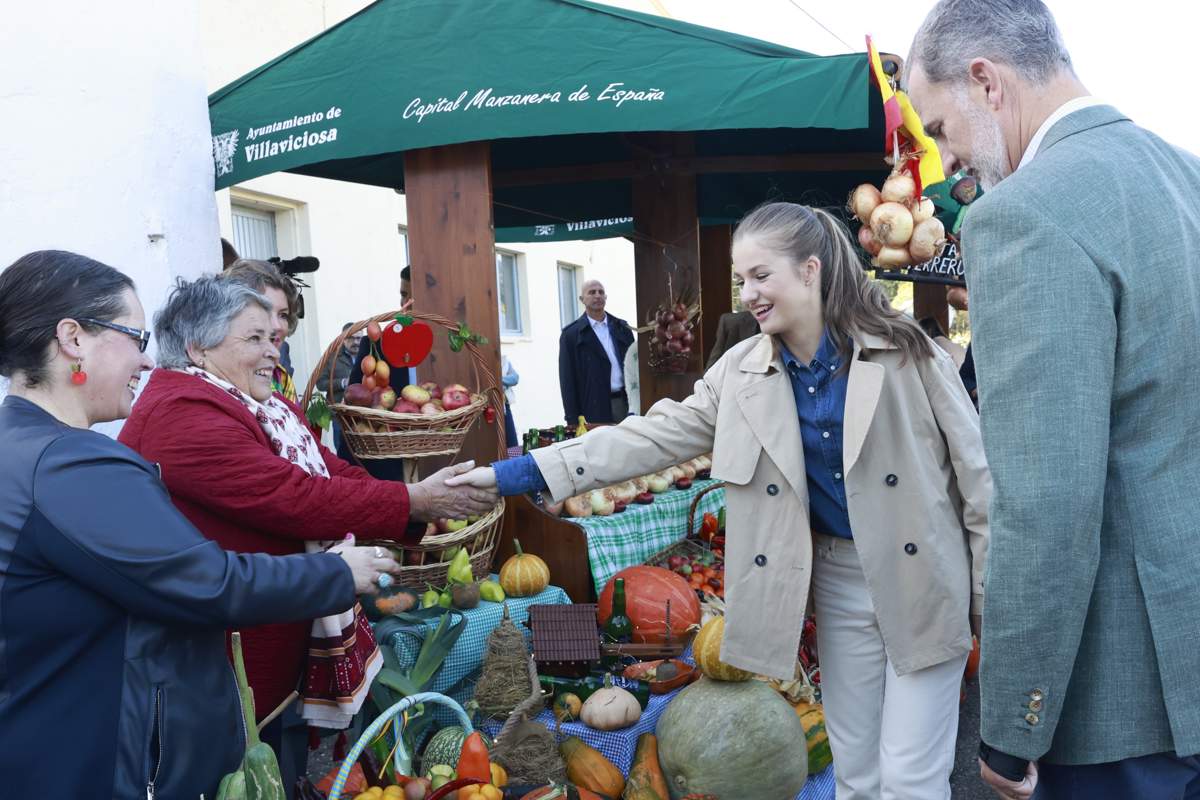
591,352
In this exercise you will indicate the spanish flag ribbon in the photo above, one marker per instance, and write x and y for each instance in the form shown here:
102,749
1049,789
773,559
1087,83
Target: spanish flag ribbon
901,120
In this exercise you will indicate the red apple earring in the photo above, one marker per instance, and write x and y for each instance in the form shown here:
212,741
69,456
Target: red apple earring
78,376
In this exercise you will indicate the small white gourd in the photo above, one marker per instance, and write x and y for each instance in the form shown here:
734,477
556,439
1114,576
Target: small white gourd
610,708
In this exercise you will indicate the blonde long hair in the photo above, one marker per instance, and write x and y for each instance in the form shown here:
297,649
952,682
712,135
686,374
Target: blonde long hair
850,302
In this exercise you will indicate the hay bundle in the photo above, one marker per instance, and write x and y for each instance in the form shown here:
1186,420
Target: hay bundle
526,749
503,682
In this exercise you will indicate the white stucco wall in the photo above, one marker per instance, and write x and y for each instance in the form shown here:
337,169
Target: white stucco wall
104,141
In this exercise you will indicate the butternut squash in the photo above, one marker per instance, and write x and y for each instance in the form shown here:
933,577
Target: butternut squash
587,767
646,780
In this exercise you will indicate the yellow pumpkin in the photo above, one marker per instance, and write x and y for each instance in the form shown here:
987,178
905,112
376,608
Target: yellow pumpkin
524,574
706,650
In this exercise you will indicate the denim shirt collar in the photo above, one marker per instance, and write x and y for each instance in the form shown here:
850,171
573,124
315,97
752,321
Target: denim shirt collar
826,355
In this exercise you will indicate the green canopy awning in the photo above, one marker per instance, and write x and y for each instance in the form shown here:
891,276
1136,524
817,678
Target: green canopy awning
552,83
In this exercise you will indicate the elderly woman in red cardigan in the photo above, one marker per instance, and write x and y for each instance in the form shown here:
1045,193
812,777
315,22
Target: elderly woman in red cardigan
241,464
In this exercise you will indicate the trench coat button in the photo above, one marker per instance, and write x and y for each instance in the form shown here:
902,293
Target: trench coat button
579,470
891,480
760,560
1037,694
1035,705
772,489
910,548
1031,718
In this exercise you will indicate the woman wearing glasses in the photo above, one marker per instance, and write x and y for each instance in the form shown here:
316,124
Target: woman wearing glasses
113,607
241,464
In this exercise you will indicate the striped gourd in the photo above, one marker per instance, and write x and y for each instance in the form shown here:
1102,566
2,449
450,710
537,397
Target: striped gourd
524,574
706,650
446,746
812,717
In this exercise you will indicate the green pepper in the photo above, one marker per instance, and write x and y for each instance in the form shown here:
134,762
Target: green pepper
460,568
492,591
444,599
430,598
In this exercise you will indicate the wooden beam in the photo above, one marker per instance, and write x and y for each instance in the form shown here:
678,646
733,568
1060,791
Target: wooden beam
716,283
690,165
667,244
452,250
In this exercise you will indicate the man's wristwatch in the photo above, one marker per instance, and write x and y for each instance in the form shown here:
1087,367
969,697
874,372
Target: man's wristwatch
1011,768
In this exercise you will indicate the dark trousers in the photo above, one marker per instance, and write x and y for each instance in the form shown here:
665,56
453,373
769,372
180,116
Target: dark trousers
1162,776
510,428
619,403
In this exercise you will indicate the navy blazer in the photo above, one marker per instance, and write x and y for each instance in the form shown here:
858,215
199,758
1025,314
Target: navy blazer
113,612
584,369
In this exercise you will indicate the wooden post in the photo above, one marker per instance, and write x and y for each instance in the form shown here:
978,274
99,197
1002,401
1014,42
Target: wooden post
929,300
667,243
452,250
716,282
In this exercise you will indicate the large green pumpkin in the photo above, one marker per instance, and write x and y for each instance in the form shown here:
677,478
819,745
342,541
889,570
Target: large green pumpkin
732,740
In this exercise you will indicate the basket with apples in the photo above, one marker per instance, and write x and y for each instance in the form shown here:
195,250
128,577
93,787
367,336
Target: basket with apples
380,420
899,226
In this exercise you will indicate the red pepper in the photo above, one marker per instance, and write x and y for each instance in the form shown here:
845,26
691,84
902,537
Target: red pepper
489,415
708,528
473,761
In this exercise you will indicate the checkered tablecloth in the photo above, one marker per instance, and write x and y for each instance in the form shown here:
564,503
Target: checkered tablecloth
460,670
629,538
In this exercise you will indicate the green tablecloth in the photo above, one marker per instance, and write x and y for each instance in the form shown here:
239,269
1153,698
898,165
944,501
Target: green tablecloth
460,670
631,537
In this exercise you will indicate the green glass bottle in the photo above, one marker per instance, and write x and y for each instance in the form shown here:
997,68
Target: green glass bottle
619,627
560,433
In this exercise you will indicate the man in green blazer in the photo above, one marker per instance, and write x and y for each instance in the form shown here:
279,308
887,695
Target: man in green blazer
1081,259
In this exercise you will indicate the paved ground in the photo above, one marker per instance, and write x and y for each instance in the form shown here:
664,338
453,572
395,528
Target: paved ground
964,782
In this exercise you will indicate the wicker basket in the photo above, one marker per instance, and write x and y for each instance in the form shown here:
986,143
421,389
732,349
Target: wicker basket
376,434
424,564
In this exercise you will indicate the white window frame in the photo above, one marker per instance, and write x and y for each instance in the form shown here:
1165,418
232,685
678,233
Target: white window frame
568,315
520,295
404,256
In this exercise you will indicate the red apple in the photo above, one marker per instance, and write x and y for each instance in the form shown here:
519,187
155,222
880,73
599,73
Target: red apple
432,387
455,397
357,395
387,398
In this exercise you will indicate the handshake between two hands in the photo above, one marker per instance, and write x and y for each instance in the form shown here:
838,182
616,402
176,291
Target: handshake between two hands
455,492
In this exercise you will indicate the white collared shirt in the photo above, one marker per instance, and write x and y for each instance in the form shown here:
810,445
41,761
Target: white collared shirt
616,381
1069,107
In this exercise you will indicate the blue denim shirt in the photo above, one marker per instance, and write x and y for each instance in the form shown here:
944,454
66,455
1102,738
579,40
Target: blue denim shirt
821,405
518,475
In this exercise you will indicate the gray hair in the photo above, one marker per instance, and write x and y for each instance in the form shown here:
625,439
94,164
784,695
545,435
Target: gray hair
1021,34
197,314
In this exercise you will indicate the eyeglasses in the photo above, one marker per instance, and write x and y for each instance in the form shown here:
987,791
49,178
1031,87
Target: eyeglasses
143,337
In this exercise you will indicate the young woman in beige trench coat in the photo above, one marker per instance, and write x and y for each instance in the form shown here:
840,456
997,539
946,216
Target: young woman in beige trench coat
878,500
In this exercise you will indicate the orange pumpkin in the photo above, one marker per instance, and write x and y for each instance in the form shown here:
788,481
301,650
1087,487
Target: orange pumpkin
524,574
647,590
706,650
973,659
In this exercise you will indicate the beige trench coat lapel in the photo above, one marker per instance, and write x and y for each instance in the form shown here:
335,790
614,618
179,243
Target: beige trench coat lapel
863,386
770,409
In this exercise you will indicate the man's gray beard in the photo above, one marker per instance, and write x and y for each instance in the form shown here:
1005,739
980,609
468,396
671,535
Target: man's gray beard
989,157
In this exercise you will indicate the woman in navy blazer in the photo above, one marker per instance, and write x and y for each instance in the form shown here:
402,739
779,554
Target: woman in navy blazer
113,607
